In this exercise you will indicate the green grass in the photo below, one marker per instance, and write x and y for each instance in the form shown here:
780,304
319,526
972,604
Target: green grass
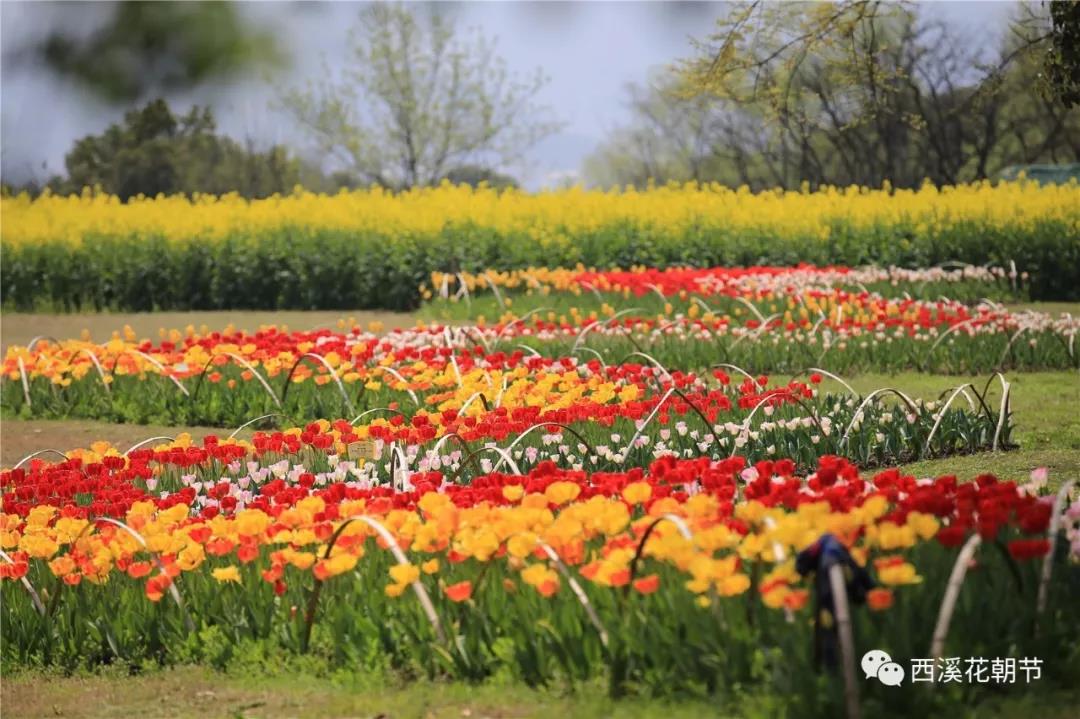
200,693
18,328
1052,308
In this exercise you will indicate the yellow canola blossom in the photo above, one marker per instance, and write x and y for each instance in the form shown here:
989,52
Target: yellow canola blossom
548,219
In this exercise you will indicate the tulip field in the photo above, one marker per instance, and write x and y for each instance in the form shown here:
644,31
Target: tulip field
655,483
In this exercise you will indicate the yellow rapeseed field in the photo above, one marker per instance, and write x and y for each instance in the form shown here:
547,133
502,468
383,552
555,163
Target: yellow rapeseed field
546,216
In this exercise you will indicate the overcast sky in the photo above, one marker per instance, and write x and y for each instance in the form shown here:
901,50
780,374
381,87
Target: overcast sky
590,52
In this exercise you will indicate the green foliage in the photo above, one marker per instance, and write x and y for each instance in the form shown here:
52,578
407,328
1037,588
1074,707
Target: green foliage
1063,56
155,46
299,268
155,151
853,92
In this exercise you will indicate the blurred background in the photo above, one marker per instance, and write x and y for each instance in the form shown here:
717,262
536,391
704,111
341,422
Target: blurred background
257,98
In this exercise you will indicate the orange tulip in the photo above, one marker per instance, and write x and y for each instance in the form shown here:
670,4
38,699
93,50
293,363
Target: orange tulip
879,599
647,585
139,569
459,592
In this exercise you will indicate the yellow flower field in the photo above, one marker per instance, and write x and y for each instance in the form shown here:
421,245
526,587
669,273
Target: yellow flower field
550,217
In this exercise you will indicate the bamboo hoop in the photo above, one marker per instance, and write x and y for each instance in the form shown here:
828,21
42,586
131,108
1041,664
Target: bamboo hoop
250,422
30,456
97,366
502,391
745,427
333,373
538,425
740,370
521,319
465,289
946,333
1003,412
830,375
657,291
34,342
498,295
504,456
1009,344
866,400
366,412
402,468
397,375
591,287
598,355
675,519
847,640
941,416
755,310
148,440
595,323
755,333
25,383
160,367
173,591
952,592
655,362
38,605
399,555
472,398
575,587
1048,560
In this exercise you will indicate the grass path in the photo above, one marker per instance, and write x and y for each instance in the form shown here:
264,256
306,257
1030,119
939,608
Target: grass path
19,438
18,328
196,693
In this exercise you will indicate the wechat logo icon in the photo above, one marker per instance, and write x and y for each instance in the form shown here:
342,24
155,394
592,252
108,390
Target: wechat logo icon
878,664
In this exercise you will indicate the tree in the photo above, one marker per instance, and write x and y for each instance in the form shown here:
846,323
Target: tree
417,102
154,47
672,138
847,93
1063,54
154,151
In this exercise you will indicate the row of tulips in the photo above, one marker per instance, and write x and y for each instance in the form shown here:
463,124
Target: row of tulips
588,423
960,282
767,319
224,378
690,575
519,409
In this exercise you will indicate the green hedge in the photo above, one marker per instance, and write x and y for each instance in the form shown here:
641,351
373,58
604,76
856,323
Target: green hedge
294,268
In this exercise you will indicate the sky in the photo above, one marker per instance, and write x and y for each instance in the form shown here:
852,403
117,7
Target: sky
590,51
